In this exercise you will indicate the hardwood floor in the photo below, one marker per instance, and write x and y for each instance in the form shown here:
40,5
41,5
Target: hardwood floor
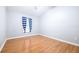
38,44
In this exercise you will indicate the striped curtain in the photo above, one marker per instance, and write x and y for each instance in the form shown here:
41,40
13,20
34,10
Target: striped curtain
24,22
30,24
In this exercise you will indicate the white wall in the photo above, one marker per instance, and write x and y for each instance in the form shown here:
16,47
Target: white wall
2,25
14,26
62,23
59,22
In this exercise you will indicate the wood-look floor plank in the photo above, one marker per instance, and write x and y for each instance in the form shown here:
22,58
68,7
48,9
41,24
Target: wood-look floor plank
38,44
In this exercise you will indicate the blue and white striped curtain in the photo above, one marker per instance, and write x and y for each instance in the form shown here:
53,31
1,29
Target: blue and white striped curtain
30,24
24,24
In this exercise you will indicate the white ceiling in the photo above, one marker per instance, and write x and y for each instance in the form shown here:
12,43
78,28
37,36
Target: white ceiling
30,10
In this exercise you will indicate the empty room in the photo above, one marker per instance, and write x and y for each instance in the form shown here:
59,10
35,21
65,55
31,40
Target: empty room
39,29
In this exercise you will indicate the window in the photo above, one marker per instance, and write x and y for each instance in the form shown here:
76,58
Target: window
28,28
27,24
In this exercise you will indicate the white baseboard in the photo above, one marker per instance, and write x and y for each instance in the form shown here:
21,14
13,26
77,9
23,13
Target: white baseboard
75,44
2,45
21,36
